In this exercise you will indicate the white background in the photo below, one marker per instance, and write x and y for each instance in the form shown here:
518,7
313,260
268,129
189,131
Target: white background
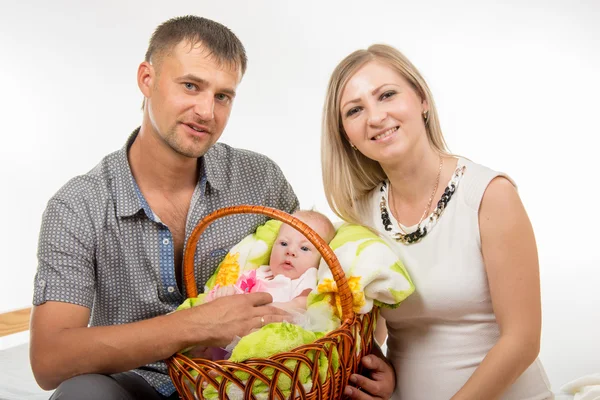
516,83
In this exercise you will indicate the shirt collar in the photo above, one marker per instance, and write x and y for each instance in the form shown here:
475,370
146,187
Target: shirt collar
129,198
215,176
128,201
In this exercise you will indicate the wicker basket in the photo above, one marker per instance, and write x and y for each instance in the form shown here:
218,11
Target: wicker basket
352,330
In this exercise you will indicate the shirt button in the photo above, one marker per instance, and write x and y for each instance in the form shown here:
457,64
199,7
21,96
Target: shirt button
165,241
170,289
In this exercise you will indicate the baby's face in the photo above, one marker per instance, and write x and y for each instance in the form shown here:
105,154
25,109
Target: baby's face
293,254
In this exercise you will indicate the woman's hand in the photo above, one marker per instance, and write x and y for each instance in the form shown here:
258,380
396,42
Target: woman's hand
379,384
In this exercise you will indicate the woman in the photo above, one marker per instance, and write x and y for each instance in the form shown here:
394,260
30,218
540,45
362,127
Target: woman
472,328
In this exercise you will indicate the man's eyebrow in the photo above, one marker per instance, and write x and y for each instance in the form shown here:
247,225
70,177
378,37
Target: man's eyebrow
192,78
203,82
228,91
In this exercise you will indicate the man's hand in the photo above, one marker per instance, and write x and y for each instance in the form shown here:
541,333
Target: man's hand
217,323
60,335
379,384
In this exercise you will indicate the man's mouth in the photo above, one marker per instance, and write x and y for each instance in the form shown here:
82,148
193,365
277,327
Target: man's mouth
197,127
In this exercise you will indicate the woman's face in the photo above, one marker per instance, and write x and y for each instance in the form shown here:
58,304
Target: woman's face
381,113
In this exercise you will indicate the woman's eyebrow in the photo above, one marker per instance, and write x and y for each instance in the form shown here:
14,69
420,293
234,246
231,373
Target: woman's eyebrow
372,93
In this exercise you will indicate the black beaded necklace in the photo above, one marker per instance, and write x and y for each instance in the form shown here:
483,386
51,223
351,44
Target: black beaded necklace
426,226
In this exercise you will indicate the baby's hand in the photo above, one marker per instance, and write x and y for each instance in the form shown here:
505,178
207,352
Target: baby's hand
298,302
225,291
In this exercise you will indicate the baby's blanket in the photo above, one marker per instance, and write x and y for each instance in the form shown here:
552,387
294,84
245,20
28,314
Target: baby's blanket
249,254
375,274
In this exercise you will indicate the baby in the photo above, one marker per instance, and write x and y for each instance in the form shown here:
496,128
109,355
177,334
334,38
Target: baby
290,276
292,271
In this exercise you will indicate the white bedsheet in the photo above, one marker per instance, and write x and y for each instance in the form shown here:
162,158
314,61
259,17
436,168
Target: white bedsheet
16,379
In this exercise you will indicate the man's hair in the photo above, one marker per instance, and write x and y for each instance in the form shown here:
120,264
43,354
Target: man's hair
217,39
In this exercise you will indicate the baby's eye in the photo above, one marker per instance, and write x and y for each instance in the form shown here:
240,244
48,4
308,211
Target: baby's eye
283,243
304,248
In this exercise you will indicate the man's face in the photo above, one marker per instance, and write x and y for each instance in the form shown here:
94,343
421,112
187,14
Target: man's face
191,98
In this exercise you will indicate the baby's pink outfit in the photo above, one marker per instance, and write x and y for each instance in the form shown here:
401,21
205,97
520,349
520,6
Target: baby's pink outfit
282,288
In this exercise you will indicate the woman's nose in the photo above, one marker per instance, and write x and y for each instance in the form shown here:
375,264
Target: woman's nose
376,116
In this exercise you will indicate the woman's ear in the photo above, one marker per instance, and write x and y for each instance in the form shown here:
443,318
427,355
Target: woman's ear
425,107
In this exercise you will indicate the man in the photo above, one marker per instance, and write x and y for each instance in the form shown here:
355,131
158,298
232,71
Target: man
111,243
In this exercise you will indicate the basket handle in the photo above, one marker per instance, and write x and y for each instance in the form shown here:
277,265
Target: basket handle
334,265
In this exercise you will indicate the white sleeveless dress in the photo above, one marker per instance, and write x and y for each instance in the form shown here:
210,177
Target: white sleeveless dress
442,332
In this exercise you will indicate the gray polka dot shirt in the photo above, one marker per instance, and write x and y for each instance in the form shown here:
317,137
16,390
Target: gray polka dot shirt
102,247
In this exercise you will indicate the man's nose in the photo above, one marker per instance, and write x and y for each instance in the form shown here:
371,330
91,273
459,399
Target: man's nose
205,106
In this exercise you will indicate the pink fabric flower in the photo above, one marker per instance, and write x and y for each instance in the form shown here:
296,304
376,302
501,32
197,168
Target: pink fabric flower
247,282
250,283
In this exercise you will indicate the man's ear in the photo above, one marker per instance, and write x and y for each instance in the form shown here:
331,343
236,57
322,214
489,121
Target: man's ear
145,78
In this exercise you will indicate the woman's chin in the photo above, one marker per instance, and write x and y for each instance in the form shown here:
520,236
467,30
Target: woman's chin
390,155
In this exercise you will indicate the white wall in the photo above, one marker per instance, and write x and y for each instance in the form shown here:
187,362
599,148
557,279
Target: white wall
517,85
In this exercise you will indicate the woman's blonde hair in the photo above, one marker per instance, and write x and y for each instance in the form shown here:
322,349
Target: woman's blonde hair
348,176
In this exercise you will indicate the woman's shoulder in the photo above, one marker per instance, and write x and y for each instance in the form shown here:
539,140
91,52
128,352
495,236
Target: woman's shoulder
474,167
476,179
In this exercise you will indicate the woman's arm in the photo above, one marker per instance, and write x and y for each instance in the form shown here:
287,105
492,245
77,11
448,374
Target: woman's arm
511,262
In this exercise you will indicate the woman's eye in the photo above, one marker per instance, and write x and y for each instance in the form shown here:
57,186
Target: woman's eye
387,94
352,111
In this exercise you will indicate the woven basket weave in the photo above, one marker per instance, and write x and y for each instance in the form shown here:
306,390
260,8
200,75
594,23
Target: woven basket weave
353,339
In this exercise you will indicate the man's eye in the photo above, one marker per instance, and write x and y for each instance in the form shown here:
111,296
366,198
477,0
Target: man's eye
223,97
190,86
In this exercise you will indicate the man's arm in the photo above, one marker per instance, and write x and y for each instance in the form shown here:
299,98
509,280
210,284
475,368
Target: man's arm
62,346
